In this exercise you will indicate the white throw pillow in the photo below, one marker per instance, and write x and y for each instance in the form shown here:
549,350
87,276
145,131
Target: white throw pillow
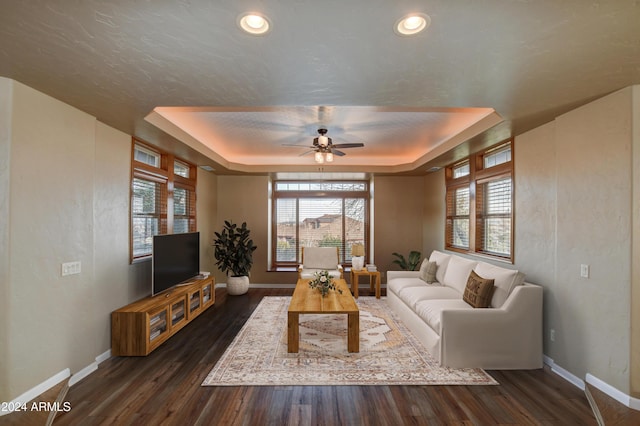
504,281
442,260
457,273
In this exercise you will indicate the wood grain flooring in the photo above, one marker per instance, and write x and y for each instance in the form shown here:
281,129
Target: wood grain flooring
164,388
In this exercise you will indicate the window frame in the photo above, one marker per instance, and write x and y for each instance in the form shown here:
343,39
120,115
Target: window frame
478,176
165,176
317,194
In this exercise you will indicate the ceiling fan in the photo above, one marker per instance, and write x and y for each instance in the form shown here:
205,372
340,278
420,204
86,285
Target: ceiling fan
325,149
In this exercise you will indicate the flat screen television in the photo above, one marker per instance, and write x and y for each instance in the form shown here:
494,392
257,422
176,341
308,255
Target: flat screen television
176,259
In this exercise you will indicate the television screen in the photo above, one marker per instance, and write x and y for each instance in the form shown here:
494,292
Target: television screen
176,259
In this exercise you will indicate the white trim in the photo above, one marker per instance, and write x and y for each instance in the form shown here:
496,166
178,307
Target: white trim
54,380
89,368
621,397
39,389
103,356
614,393
75,378
574,380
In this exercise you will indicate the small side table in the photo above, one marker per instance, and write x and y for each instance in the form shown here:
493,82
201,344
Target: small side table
374,278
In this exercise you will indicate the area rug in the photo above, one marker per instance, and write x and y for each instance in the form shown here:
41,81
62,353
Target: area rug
389,353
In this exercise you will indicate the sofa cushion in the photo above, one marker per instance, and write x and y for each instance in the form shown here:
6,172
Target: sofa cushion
431,311
320,258
413,295
442,260
478,291
457,273
428,271
397,284
504,281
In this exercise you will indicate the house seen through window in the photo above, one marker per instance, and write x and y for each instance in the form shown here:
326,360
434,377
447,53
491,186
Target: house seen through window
318,214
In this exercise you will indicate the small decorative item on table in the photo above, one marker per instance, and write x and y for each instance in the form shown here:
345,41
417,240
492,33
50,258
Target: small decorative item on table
323,282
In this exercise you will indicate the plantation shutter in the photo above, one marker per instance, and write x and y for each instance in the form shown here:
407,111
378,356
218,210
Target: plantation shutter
457,225
149,212
184,210
493,228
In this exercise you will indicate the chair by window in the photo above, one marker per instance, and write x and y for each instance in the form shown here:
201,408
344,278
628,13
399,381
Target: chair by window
316,259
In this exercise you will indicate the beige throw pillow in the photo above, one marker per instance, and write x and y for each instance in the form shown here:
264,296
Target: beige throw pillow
428,271
478,291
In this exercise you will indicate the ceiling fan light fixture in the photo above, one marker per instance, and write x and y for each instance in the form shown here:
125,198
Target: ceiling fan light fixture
412,24
323,140
329,157
319,157
254,23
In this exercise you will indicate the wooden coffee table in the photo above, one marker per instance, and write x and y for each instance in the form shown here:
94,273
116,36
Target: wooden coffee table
306,300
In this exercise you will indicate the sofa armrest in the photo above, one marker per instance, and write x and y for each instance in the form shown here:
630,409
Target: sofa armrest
402,274
503,338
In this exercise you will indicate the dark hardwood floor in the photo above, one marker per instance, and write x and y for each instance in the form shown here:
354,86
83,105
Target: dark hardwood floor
164,388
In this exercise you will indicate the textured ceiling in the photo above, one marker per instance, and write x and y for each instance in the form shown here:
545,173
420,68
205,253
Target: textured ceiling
526,60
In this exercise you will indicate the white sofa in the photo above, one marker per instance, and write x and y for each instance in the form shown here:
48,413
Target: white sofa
506,335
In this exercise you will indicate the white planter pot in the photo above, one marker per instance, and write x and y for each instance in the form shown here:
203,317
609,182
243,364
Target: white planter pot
237,285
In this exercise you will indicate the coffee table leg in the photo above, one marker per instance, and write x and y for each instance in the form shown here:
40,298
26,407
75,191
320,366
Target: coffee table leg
377,278
293,332
353,332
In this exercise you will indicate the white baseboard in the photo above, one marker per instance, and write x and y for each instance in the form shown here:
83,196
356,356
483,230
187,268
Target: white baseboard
56,379
569,377
614,393
602,386
37,390
89,368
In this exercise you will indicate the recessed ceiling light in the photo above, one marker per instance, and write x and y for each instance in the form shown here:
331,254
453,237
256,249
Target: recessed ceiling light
254,23
412,24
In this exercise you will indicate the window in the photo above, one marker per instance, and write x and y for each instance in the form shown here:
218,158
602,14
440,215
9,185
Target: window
479,203
163,197
318,214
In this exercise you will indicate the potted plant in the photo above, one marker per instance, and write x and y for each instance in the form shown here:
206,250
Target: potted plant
409,264
233,250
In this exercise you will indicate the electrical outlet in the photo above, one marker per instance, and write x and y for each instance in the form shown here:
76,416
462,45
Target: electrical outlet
584,271
552,335
71,268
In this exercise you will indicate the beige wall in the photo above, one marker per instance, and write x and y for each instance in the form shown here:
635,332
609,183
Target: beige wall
434,212
206,204
65,184
51,222
573,206
635,251
398,211
246,199
593,227
5,306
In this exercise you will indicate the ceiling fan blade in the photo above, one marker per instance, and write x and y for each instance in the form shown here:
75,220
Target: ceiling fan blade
349,145
306,152
296,145
337,152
